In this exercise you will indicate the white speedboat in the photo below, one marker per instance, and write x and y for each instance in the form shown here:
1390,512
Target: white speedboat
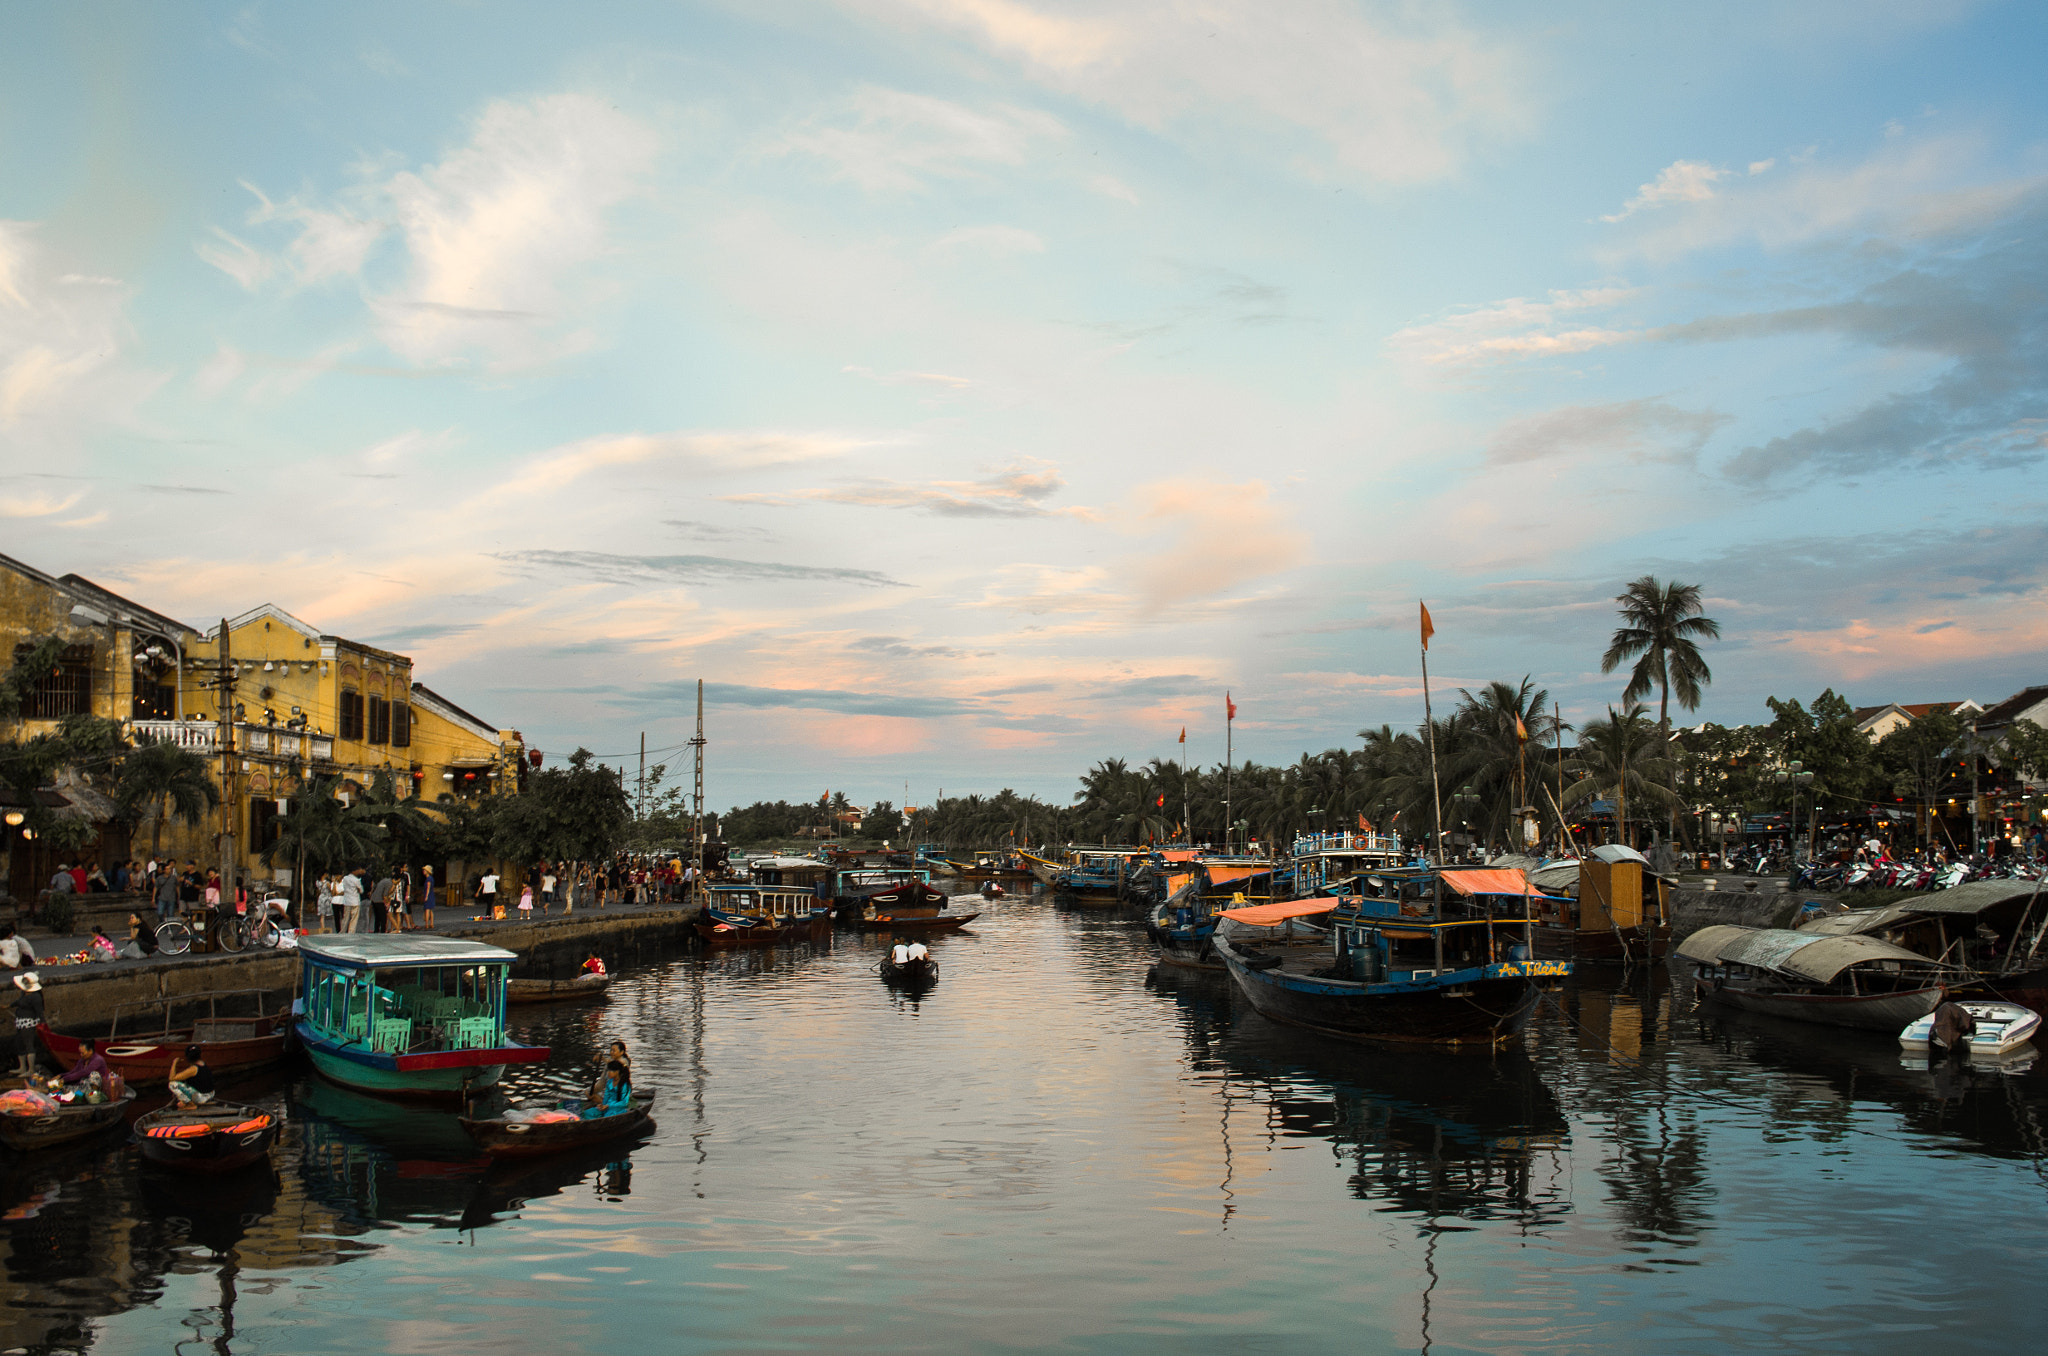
2000,1027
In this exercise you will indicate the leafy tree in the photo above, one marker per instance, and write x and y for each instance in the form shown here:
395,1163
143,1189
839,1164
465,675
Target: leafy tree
882,822
1918,760
321,834
1661,629
576,813
166,781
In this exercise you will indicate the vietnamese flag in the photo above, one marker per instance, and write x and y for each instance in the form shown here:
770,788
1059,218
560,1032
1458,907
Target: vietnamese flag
1428,627
1229,707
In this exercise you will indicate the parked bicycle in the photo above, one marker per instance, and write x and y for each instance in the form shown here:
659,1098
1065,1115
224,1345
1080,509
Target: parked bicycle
230,930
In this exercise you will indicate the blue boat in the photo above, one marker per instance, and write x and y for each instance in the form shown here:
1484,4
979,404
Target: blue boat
1411,956
404,1015
785,899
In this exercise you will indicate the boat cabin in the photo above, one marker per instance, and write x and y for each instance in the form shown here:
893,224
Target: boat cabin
405,994
1411,924
756,900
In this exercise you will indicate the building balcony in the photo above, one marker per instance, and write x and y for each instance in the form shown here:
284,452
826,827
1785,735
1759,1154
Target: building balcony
203,736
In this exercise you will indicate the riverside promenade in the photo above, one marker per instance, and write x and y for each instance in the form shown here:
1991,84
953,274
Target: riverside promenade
78,997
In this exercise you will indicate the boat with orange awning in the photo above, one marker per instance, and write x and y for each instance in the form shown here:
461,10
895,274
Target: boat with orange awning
1406,955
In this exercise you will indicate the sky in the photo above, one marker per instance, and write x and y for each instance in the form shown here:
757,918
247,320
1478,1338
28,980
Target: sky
971,390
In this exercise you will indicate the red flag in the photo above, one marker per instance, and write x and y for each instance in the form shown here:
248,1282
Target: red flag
1229,707
1183,734
1161,802
1428,626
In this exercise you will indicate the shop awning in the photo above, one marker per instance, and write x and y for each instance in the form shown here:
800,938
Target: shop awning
1266,915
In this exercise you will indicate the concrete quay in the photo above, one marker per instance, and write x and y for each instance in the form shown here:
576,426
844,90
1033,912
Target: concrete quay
83,998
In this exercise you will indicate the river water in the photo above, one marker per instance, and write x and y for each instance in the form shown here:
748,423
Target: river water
1055,1148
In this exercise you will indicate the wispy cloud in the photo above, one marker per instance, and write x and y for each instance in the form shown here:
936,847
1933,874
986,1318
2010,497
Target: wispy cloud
1640,430
1018,491
1398,99
1679,181
617,569
890,140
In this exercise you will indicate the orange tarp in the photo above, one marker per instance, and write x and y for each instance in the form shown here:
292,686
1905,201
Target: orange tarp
1223,875
1265,915
1180,854
1497,881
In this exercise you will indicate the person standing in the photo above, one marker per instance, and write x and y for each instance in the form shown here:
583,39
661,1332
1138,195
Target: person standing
323,902
547,889
404,898
487,892
28,1015
427,895
351,894
167,892
526,902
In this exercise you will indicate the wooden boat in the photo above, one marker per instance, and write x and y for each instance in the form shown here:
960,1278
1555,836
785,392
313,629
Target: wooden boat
782,902
501,1138
1622,912
913,906
853,891
1413,963
2001,1028
1851,981
918,971
406,1015
554,990
64,1125
1183,929
231,1045
217,1137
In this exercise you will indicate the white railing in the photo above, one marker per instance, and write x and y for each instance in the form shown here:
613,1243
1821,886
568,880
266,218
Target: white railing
201,736
1308,843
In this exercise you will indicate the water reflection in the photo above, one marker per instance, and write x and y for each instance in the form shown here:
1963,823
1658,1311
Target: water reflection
1435,1136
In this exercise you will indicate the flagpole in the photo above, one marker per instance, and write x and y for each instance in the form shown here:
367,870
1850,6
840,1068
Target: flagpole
1429,725
1187,825
1229,725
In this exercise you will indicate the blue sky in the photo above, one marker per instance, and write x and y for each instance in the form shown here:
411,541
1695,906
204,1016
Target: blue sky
969,391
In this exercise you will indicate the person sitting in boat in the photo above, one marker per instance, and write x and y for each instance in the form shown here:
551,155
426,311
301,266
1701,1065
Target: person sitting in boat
191,1080
899,954
593,966
90,1062
616,1096
918,953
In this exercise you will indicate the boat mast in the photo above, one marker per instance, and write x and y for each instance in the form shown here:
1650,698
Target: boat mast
1429,726
697,795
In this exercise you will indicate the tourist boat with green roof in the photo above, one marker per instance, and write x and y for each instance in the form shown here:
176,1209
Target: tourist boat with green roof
404,1015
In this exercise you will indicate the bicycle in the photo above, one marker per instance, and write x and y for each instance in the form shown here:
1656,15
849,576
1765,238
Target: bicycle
173,938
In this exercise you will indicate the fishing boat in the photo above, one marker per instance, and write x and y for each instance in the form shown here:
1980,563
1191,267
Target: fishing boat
992,866
1852,981
1322,860
517,1134
2001,1028
217,1137
1409,959
555,990
915,907
1182,930
405,1015
1997,930
1096,877
63,1124
783,902
230,1045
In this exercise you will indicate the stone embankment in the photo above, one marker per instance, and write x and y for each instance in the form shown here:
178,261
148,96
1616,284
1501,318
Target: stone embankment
84,998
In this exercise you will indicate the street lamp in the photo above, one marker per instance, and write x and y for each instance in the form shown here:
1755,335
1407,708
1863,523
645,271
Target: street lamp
1794,776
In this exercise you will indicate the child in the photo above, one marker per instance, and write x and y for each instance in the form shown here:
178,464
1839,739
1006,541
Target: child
525,903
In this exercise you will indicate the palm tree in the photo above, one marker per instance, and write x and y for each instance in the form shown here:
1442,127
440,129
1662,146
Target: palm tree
1488,754
169,781
1661,630
1618,757
324,833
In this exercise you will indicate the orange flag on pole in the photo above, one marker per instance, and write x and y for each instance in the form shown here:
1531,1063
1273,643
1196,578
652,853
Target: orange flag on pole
1229,708
1428,627
1183,734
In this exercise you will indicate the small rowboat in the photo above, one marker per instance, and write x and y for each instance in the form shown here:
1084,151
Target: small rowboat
503,1138
65,1124
217,1137
2001,1028
554,990
231,1045
920,971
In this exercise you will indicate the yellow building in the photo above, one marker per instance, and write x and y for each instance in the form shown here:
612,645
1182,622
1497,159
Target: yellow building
292,697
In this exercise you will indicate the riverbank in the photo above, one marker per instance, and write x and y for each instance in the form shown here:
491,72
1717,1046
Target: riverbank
550,946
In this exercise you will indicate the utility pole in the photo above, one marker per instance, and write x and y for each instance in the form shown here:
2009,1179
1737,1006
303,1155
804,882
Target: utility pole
697,795
1976,806
641,812
226,727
